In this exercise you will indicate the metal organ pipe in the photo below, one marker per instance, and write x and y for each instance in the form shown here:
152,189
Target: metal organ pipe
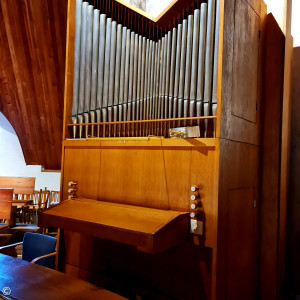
119,75
95,54
76,65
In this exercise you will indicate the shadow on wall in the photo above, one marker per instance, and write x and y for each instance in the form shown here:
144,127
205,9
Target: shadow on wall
12,162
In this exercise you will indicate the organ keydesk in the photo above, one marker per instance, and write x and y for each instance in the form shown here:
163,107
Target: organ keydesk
130,81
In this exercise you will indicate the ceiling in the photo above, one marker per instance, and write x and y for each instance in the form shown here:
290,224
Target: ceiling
32,67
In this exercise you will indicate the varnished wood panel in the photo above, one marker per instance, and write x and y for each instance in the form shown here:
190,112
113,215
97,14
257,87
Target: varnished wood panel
31,281
245,64
82,165
32,62
242,278
293,220
140,180
256,5
285,143
150,230
21,185
233,127
5,203
271,151
239,169
145,173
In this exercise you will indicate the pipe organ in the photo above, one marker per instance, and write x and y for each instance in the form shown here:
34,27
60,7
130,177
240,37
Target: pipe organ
135,83
159,217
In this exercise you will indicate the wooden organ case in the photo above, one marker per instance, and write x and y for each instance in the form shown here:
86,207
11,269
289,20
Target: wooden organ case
111,236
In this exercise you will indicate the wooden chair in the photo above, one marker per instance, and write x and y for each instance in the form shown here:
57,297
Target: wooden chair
54,198
25,200
23,189
37,248
6,195
40,202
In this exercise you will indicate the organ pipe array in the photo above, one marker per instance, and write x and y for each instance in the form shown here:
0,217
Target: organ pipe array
139,86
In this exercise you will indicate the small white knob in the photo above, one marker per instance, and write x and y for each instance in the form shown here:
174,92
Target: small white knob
192,214
193,206
193,197
194,188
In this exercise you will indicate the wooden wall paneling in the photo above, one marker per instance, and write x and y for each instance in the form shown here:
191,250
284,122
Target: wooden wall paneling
139,181
82,164
271,152
242,276
32,59
293,223
160,173
256,5
236,127
244,94
202,174
285,143
239,169
177,166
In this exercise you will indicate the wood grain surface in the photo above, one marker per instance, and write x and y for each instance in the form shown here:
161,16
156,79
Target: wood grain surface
21,185
31,281
5,203
241,106
32,63
271,159
155,173
151,230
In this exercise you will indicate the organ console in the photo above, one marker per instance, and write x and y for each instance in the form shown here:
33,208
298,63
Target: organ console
131,82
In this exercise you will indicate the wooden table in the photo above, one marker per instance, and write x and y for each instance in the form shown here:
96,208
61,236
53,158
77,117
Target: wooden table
31,281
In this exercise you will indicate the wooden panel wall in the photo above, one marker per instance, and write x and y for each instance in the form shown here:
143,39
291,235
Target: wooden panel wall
237,278
293,218
32,64
240,119
271,160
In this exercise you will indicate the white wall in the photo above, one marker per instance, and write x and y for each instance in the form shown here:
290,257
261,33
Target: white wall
296,22
12,162
277,8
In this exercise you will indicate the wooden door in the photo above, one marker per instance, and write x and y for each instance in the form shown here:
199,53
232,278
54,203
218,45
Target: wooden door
242,266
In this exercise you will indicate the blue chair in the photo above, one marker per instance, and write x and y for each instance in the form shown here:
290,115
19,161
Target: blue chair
37,248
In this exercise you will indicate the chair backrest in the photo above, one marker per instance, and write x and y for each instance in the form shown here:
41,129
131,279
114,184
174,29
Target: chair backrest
41,198
55,197
35,245
5,203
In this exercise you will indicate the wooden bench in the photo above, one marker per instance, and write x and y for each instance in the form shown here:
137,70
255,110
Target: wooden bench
21,185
